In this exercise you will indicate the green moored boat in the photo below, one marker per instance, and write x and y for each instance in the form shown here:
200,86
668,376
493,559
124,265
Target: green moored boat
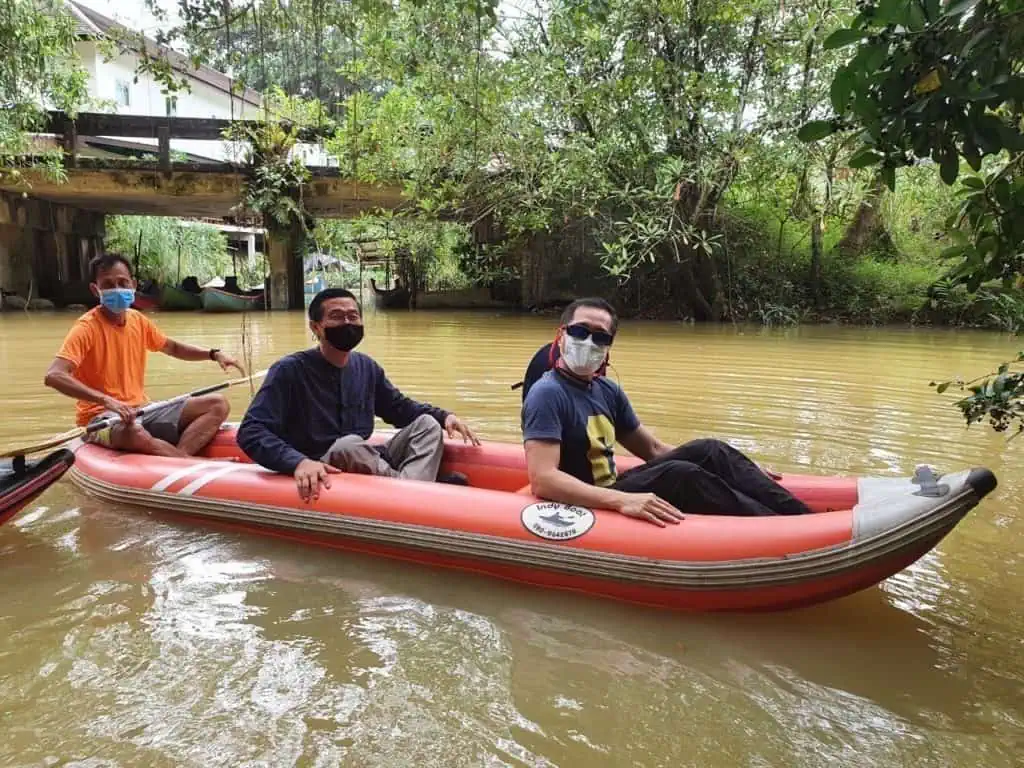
177,298
216,300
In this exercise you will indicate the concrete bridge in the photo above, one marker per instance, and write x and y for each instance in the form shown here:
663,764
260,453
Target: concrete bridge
50,230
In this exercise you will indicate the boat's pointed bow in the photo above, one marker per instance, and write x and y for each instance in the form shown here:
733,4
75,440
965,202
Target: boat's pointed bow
922,505
983,481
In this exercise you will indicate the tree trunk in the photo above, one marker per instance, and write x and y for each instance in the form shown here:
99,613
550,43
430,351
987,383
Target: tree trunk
817,232
867,231
689,284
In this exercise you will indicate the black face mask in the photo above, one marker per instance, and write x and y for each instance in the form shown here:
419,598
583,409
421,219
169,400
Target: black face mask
344,337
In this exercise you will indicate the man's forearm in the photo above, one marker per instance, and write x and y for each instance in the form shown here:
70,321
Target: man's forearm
68,385
660,449
187,352
562,487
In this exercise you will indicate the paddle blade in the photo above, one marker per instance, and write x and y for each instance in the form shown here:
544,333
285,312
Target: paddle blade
49,443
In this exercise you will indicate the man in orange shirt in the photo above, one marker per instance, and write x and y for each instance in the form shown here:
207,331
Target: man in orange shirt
102,364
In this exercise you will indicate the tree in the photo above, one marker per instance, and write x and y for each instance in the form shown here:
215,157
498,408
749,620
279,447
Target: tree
305,47
626,126
38,70
630,116
167,250
943,83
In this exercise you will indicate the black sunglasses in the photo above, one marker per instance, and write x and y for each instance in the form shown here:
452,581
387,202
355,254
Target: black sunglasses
580,332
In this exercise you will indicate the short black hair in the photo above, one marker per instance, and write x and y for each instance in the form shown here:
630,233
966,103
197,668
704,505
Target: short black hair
593,302
316,306
105,262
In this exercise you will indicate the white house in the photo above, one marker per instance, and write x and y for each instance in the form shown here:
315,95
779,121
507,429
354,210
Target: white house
118,86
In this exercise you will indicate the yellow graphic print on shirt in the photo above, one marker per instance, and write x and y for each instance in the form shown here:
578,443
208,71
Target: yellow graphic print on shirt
601,434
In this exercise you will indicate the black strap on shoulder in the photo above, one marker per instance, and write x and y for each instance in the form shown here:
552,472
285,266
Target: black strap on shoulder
538,366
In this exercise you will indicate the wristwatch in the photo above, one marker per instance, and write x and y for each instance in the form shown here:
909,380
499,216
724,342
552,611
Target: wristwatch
213,354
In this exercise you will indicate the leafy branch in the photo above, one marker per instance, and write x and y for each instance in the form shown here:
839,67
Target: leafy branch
998,395
278,178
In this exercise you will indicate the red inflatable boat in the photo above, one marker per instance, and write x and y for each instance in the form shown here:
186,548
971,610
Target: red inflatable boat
865,529
23,480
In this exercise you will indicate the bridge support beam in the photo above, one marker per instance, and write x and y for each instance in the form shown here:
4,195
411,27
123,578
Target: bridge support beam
284,254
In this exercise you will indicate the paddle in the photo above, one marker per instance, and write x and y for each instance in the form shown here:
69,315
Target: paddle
111,420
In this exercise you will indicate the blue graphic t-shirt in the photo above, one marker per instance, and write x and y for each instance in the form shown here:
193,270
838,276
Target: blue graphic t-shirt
586,419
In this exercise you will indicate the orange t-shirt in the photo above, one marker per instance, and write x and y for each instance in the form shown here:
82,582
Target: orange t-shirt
111,358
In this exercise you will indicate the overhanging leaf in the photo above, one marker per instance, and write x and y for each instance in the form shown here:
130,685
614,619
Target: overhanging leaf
815,130
892,11
843,37
949,166
842,89
928,83
864,158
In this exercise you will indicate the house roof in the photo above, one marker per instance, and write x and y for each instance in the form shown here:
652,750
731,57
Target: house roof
90,24
83,27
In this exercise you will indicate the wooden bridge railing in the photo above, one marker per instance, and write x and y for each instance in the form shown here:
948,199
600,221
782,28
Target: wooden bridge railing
163,129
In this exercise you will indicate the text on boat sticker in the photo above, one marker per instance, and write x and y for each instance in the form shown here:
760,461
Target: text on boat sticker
557,522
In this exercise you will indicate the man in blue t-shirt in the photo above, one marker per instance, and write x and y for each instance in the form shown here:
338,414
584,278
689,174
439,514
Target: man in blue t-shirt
572,419
314,413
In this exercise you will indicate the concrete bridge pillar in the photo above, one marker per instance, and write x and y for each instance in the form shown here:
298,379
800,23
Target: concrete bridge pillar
284,253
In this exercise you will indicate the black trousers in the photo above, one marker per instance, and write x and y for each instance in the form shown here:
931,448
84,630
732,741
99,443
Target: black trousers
713,478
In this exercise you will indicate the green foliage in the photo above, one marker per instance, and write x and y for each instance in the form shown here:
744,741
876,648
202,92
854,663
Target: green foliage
168,249
917,212
643,125
629,115
654,129
38,69
430,253
992,213
767,276
278,174
997,396
943,84
1007,311
305,47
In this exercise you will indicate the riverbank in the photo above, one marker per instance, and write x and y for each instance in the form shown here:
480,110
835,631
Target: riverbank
946,308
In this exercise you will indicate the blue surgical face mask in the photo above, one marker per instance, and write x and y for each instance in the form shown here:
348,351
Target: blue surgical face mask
117,300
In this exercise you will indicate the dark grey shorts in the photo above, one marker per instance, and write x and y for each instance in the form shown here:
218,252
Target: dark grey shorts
163,423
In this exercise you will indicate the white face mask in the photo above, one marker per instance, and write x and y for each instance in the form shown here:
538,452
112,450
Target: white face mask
582,357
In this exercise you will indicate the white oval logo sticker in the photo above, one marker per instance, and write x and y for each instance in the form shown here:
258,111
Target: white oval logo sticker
557,522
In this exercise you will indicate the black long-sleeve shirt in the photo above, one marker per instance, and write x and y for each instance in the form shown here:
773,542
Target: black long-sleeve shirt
306,403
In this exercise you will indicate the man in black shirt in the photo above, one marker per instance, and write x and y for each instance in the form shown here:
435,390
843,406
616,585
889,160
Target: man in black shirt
314,413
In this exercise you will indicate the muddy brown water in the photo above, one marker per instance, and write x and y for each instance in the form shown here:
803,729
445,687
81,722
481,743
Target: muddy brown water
128,639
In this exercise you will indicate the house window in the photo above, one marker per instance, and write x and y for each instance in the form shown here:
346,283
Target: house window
123,93
171,103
